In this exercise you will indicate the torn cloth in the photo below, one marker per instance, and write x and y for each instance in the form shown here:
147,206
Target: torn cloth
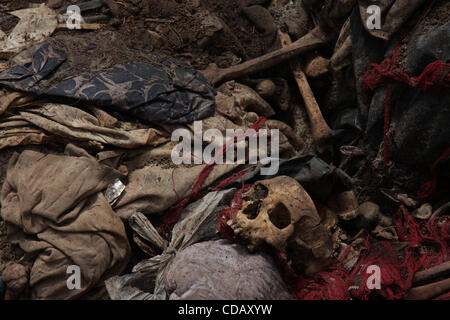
156,184
54,209
196,224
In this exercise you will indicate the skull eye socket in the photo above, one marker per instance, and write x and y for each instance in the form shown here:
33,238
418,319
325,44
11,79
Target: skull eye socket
280,216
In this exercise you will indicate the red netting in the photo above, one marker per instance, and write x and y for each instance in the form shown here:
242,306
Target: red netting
397,266
428,189
436,75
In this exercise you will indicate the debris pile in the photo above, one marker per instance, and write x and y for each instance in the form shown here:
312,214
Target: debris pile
241,149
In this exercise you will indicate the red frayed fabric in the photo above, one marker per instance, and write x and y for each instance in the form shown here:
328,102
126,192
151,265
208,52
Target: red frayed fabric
229,214
173,214
428,189
397,270
225,183
435,75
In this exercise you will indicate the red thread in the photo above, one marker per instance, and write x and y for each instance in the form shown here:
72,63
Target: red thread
173,214
436,75
429,187
229,214
230,180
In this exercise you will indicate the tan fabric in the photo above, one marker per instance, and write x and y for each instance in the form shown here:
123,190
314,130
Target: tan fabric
22,136
54,208
78,125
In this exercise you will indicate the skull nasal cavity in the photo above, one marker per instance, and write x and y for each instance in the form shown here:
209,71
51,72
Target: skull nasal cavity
251,211
280,216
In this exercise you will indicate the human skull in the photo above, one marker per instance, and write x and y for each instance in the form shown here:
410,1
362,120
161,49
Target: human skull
280,213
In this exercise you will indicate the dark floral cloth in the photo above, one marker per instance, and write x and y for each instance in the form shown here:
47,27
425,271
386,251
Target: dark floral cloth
167,92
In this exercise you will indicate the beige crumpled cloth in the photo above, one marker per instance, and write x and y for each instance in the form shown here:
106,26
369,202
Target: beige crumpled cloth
394,14
52,122
54,208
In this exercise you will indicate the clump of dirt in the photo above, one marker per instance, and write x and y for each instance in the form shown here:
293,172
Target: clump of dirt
147,8
7,23
93,52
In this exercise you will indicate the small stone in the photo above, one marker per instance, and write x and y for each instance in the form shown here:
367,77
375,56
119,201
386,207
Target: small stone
387,233
407,201
115,22
385,221
266,88
370,211
193,3
345,205
55,4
